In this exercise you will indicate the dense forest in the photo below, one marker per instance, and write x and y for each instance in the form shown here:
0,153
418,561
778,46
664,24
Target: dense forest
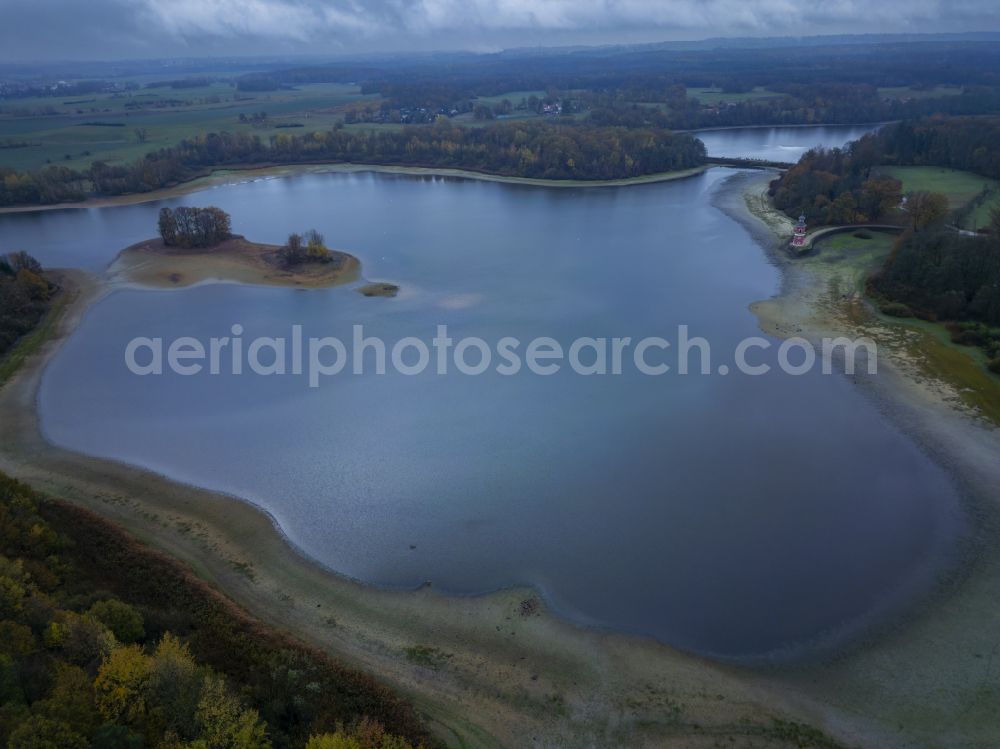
831,186
942,275
540,150
968,143
951,276
843,186
105,644
25,294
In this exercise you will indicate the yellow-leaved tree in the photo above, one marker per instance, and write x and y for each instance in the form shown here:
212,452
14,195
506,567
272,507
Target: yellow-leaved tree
122,683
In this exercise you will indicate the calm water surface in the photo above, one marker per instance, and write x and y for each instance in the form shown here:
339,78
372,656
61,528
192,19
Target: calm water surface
727,515
777,143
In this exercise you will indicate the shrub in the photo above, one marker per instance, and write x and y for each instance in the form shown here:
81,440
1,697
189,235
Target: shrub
965,335
302,248
896,309
123,620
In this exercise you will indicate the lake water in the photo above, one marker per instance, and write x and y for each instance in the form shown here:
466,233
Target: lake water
728,515
777,143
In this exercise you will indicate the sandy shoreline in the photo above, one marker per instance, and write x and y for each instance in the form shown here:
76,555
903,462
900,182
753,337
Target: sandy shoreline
503,676
235,175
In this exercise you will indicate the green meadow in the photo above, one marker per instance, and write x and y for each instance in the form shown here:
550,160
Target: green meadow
960,188
843,263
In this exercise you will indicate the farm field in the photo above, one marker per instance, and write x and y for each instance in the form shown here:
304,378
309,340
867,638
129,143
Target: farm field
76,131
905,92
713,96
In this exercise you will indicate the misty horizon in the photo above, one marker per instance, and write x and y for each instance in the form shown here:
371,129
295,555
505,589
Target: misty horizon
62,30
250,60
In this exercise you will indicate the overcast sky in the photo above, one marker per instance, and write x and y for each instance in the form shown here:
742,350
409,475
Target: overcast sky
109,29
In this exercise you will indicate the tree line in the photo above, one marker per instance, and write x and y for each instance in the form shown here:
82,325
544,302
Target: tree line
537,150
107,645
25,295
968,143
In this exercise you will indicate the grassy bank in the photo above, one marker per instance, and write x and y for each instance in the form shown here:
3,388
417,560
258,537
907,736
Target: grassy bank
840,265
962,367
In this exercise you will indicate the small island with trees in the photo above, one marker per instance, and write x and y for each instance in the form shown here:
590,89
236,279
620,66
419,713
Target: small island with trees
197,245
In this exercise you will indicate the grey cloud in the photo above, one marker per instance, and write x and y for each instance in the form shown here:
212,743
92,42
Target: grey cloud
46,29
